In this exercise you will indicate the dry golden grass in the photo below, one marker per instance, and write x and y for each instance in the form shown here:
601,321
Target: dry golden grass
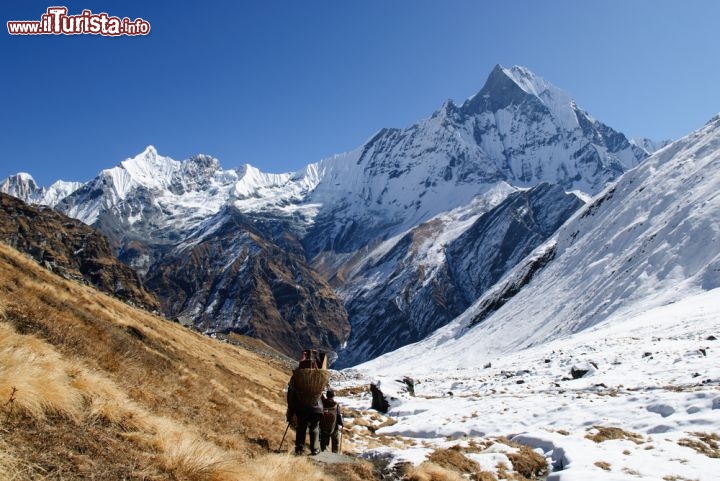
282,467
359,470
453,459
91,388
14,469
449,464
705,443
429,471
603,433
602,465
525,461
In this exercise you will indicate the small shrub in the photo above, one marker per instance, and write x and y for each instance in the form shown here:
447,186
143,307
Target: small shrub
526,461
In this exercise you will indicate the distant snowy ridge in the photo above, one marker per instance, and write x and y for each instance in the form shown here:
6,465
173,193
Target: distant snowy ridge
23,186
649,145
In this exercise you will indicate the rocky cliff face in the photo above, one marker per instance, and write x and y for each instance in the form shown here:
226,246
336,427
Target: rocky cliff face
71,249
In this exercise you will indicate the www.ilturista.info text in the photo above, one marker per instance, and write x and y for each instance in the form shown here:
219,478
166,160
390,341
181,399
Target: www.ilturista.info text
56,21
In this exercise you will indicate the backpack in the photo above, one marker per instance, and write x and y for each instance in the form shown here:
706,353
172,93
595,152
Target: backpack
328,419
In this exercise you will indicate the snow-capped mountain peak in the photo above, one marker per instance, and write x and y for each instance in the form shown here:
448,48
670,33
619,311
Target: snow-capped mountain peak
517,84
23,186
142,166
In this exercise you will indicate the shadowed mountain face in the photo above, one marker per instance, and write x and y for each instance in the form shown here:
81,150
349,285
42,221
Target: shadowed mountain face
229,277
420,297
71,249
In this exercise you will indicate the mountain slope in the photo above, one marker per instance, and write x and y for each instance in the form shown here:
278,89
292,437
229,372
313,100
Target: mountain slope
95,389
649,240
228,277
70,248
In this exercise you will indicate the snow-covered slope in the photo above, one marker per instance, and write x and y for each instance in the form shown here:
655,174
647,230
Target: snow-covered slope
647,408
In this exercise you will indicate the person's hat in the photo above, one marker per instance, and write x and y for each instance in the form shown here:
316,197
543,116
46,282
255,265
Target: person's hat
330,393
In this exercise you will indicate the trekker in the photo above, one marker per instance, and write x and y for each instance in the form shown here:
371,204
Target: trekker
308,420
331,423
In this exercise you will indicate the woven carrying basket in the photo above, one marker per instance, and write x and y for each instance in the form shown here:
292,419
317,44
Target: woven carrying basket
310,384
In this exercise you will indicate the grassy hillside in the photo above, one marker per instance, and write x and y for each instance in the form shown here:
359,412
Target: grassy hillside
91,388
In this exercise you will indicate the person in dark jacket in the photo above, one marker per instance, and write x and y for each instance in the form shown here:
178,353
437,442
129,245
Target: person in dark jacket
331,423
308,420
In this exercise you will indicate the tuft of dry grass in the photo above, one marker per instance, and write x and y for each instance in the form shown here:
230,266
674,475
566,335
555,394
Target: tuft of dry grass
12,468
525,461
603,433
631,472
602,465
705,443
528,463
483,476
453,459
281,467
429,471
359,470
34,379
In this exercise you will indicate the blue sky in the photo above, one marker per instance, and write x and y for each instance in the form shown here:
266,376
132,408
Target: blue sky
279,84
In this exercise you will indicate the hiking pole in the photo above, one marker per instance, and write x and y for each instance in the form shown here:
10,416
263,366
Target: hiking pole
340,444
283,439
